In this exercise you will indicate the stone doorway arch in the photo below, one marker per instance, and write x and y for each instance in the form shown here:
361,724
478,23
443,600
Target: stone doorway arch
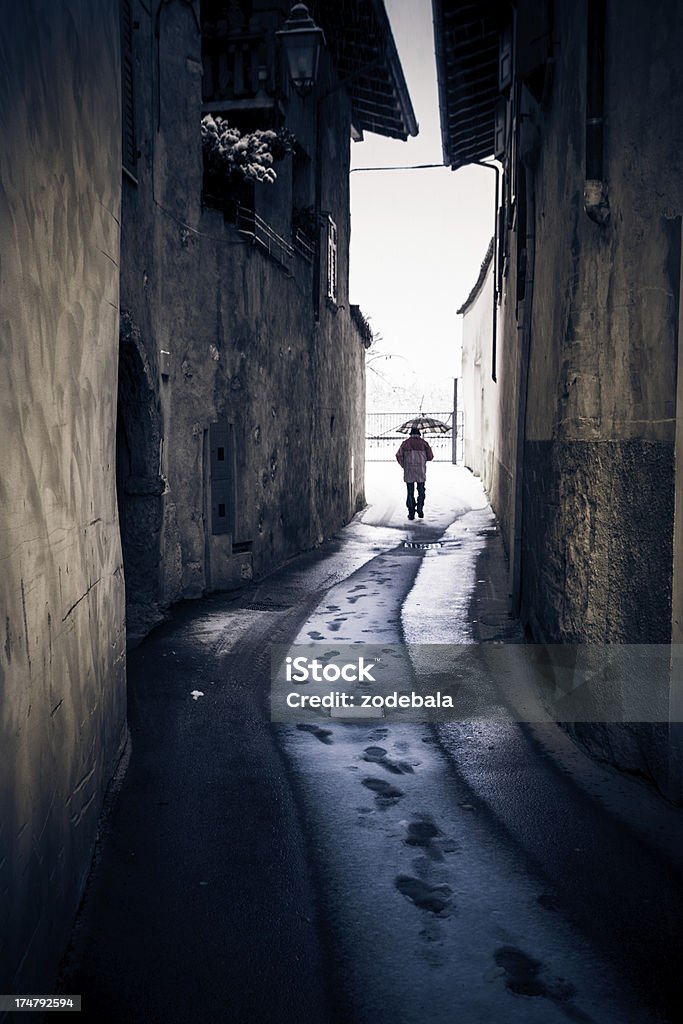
139,482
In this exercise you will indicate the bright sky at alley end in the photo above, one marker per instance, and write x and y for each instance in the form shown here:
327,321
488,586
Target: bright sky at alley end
418,237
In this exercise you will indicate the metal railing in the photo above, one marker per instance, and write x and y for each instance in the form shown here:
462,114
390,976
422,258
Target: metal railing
251,226
382,437
303,245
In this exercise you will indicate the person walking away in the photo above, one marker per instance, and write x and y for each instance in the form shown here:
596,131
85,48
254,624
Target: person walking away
413,456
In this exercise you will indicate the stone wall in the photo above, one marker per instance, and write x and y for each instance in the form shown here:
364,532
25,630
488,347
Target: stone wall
599,463
62,712
246,361
586,436
598,496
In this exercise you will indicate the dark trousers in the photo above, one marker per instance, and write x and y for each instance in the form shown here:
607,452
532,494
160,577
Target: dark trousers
410,503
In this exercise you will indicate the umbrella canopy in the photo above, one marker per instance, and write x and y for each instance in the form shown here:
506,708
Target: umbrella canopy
426,424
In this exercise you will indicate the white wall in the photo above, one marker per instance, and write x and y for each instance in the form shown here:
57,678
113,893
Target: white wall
479,391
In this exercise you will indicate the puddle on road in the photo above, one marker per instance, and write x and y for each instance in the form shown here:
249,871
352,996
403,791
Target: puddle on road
422,544
426,545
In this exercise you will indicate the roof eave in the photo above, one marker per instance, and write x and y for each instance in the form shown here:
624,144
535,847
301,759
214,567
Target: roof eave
467,77
395,70
441,81
367,64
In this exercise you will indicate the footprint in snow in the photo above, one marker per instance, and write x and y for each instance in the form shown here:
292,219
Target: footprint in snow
422,833
385,794
434,898
526,976
378,755
324,735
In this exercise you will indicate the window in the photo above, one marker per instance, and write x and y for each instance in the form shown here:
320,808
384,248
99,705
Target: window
331,260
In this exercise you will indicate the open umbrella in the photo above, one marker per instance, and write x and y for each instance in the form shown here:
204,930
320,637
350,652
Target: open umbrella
426,424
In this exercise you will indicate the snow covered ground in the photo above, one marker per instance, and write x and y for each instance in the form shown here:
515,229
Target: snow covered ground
437,910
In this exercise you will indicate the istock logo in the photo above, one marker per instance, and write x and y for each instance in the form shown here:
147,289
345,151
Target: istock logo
302,670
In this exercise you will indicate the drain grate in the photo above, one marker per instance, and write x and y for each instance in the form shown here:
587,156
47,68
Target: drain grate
422,544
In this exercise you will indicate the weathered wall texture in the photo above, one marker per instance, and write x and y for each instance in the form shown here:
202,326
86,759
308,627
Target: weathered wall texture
588,433
598,499
245,356
62,687
491,407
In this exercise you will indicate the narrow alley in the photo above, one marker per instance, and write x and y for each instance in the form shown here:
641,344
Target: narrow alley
248,248
366,871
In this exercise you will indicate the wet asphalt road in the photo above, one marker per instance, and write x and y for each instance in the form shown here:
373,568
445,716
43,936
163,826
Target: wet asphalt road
252,872
202,903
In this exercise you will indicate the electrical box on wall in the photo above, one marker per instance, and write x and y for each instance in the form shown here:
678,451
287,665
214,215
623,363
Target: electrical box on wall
222,482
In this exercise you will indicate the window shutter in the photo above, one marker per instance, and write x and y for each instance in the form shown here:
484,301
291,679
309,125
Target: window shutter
500,128
331,260
505,59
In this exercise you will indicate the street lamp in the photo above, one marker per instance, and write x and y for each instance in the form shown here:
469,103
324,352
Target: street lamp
301,40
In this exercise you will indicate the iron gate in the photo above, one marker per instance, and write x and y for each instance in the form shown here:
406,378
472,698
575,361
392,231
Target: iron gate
382,437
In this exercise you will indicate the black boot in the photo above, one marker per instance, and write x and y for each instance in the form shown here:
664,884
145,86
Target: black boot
410,501
420,500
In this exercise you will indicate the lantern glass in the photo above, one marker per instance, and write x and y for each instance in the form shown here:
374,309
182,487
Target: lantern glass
301,40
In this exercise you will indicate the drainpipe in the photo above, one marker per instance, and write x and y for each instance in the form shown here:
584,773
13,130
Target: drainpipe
530,228
595,200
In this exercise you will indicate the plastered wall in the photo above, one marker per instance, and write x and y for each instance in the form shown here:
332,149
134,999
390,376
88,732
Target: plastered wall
62,686
479,391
